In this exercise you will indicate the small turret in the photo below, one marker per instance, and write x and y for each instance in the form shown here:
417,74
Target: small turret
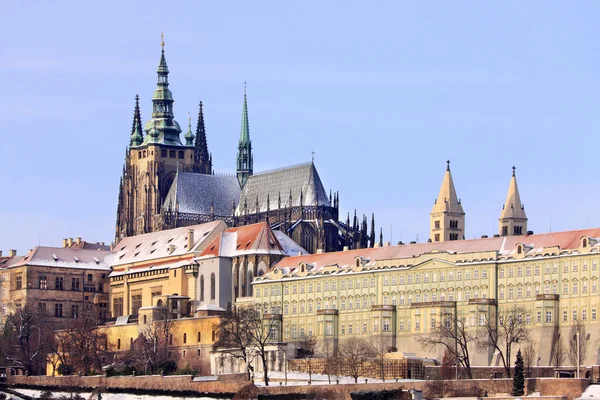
244,158
513,220
137,136
189,136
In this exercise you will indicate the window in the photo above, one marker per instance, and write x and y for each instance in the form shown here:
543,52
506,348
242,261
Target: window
528,318
58,283
410,279
585,267
41,308
74,310
375,324
90,277
213,288
310,288
528,270
343,329
199,337
343,284
539,316
501,272
511,272
584,315
349,329
593,314
201,287
302,288
575,287
136,303
436,237
118,344
501,294
566,268
401,325
520,270
402,279
437,224
484,274
458,275
302,307
364,327
43,282
117,307
548,316
565,315
519,292
537,270
386,324
575,267
565,288
19,282
393,279
417,323
418,278
511,292
75,284
574,315
58,310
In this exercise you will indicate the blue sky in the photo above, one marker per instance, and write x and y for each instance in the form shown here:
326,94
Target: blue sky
383,92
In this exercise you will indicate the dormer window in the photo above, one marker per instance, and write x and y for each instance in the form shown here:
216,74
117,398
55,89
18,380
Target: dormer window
520,249
302,267
357,262
584,242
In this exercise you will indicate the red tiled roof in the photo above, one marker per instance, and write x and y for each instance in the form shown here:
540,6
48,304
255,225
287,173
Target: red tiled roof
567,240
255,238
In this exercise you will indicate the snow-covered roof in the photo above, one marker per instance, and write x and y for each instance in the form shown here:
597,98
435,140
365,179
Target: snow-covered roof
155,245
193,193
283,183
64,257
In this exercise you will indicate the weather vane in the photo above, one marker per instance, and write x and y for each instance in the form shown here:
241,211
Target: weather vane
162,39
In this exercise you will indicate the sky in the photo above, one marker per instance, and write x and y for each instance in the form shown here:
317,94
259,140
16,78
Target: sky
383,93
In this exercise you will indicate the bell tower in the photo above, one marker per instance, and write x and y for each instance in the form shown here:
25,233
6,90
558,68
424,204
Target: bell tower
153,157
513,220
447,218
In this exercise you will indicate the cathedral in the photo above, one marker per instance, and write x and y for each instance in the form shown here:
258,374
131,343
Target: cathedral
168,183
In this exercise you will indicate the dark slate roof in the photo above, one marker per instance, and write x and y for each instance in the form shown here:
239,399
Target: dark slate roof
193,193
298,178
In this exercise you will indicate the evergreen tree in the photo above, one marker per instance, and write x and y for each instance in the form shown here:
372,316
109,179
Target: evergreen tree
519,379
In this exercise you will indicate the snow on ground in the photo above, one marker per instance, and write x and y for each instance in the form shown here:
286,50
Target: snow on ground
109,396
301,378
592,392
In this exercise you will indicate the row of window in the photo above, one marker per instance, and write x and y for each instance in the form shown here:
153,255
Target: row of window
527,270
59,283
366,282
164,153
575,285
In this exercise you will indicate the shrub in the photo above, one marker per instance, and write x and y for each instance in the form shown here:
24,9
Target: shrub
376,395
46,395
65,369
168,367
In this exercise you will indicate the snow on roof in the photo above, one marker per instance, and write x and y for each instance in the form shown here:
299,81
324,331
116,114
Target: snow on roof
64,257
250,239
172,242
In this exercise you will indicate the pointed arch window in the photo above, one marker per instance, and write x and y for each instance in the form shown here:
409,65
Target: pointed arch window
213,285
201,287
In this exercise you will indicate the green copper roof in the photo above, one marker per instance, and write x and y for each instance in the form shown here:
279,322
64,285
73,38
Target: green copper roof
245,133
189,136
162,128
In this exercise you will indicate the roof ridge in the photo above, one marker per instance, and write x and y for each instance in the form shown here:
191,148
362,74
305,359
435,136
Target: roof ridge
283,168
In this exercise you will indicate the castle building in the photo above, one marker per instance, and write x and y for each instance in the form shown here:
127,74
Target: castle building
447,218
167,183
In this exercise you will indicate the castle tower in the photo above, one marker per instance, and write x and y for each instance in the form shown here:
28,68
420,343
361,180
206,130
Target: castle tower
244,158
513,220
152,160
447,218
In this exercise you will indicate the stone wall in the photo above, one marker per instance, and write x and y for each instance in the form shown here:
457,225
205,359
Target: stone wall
432,372
180,383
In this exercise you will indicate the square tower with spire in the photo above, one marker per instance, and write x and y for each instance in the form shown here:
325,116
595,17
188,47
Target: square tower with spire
447,218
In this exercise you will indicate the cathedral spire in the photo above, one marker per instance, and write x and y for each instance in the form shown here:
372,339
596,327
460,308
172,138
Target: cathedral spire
202,159
372,235
162,107
189,136
136,128
244,158
513,220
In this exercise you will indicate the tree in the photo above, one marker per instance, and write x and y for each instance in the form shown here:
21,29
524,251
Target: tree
353,353
502,332
453,334
155,336
380,346
25,339
244,334
448,362
519,379
306,350
327,351
578,327
529,355
558,350
81,343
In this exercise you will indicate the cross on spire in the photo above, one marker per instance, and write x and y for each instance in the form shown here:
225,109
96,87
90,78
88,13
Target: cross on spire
514,168
447,165
313,156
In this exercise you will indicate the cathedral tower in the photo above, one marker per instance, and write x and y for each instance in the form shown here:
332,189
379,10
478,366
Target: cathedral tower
513,220
153,158
447,216
244,158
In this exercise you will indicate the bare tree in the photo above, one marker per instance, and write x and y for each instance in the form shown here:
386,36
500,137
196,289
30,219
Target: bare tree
453,334
353,353
380,346
502,332
558,350
263,334
529,355
578,327
306,350
25,339
327,351
233,337
155,337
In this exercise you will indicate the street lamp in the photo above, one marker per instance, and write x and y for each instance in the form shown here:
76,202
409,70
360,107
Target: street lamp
458,360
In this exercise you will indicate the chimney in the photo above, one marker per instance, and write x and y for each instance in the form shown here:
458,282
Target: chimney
319,251
0,253
64,242
376,245
346,248
386,244
78,240
70,242
12,253
190,239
